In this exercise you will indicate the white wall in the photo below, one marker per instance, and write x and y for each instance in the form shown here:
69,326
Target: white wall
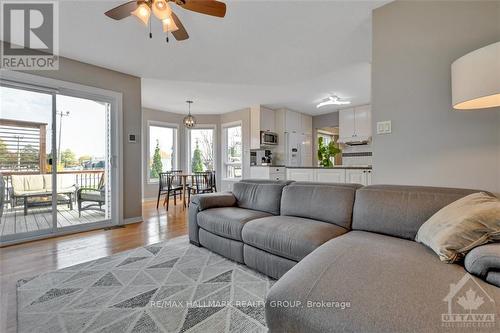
150,190
414,44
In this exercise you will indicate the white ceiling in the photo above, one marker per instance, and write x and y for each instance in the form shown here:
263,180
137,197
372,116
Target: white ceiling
276,53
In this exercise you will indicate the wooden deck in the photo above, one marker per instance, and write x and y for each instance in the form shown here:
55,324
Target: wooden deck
14,221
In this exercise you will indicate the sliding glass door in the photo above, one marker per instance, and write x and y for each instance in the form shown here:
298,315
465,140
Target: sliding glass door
25,150
56,151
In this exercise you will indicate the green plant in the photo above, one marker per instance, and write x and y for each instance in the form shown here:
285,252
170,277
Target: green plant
157,166
326,152
196,161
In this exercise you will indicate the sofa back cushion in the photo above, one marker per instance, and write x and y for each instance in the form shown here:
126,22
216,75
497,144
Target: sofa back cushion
400,210
33,183
332,203
264,197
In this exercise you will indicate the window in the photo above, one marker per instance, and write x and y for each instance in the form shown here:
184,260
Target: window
162,155
232,149
201,154
327,138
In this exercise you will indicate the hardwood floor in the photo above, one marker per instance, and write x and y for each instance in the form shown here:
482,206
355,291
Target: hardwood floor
29,259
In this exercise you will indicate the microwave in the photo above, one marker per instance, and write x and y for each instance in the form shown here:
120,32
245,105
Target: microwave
268,138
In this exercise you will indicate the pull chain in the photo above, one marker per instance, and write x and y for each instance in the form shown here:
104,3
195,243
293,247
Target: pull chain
150,33
167,34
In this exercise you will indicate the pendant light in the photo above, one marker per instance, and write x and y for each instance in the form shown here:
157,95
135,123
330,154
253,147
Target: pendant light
189,121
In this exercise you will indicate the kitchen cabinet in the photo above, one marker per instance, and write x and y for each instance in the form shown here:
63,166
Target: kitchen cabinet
300,175
267,172
261,119
355,124
293,122
331,176
334,175
306,124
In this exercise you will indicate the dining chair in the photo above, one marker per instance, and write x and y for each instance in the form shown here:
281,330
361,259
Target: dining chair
201,182
170,185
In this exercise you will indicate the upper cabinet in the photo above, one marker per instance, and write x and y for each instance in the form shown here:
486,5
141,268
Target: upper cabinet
355,124
293,121
261,119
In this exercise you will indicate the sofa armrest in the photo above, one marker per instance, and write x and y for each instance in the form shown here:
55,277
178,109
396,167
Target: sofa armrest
483,260
205,201
213,200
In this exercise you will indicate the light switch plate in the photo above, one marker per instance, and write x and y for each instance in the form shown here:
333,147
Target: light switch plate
384,127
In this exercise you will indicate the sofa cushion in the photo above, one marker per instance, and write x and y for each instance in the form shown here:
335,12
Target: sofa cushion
325,202
227,221
400,210
461,226
390,284
33,183
213,200
483,260
289,237
263,197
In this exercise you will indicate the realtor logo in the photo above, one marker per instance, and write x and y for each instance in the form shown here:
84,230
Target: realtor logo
29,31
469,305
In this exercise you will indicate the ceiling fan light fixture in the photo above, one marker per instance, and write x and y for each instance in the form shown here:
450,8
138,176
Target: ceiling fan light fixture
169,25
142,12
161,9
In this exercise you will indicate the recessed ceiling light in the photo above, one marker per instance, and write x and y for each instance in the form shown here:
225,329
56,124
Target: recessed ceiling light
332,100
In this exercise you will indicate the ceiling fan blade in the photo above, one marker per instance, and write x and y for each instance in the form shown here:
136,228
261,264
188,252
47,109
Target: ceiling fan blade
122,11
208,7
180,34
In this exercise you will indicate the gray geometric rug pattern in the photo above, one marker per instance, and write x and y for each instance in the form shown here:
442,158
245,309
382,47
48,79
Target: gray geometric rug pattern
166,287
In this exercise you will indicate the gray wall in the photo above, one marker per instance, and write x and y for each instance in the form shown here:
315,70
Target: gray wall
321,121
414,44
130,87
150,190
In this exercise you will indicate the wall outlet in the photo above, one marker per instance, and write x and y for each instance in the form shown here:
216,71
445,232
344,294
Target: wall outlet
384,127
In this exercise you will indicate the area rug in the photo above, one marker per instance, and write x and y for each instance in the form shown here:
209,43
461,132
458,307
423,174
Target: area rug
166,287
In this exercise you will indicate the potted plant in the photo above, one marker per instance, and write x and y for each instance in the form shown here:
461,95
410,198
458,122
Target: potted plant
327,152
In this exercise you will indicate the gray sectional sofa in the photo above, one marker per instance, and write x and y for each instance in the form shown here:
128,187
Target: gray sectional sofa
344,254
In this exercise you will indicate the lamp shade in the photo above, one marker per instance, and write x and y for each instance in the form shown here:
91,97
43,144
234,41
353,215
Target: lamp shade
475,79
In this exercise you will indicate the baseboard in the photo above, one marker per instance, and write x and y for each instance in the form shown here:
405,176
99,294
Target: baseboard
149,199
131,220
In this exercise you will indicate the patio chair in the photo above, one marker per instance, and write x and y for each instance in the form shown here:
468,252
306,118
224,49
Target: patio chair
170,185
202,182
96,197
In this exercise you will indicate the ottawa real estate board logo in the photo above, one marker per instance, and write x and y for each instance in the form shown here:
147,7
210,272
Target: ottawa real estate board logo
29,35
469,306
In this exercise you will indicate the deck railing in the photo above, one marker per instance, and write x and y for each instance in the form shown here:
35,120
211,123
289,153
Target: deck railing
83,178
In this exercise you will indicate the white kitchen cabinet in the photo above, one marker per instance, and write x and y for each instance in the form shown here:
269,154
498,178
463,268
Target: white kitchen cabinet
293,122
359,176
300,175
330,175
363,121
261,119
355,124
306,124
267,172
334,175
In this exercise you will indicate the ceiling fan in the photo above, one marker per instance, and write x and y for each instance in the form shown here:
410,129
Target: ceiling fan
142,9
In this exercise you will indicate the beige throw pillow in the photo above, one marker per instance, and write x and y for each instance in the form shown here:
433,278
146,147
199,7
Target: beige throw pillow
462,225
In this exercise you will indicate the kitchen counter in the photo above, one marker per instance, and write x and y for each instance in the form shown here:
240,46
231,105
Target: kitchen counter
365,167
269,166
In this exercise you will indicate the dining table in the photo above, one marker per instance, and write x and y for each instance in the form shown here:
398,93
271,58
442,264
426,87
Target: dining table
184,177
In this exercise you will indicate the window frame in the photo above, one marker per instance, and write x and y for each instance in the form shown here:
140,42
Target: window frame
175,158
212,127
224,142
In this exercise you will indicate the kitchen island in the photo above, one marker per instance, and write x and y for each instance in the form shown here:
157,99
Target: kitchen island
358,174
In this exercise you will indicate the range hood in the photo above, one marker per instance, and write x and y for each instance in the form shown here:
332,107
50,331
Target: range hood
356,140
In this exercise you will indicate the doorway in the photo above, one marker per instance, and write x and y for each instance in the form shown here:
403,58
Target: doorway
58,154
